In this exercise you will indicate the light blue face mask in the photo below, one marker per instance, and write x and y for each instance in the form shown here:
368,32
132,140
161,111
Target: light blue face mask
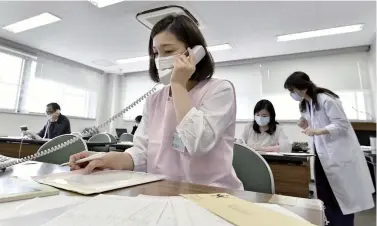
296,97
262,121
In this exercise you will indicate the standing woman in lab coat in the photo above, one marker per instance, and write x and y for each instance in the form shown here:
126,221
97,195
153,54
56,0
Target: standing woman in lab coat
342,178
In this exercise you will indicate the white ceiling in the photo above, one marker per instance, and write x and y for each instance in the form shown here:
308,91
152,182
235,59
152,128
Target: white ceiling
87,33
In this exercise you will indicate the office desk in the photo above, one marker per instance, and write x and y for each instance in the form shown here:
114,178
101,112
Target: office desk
9,146
291,174
310,210
121,146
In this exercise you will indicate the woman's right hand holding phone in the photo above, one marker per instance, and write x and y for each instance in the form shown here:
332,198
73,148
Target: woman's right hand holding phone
303,123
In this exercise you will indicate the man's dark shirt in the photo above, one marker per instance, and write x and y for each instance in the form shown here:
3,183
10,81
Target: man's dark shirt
60,127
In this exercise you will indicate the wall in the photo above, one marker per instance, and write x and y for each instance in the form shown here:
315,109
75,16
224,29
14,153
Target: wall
10,123
372,71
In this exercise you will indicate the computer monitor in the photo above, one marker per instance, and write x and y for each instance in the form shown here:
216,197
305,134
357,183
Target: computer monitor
120,131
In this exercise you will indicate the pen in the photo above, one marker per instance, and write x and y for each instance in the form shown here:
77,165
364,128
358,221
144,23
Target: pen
87,159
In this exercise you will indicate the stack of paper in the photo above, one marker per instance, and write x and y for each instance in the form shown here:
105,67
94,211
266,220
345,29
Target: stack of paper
37,211
111,210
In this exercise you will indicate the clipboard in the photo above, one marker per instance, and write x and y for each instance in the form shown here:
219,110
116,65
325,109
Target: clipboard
98,181
243,213
15,189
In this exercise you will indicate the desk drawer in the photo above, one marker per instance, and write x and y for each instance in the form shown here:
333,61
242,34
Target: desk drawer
12,149
292,180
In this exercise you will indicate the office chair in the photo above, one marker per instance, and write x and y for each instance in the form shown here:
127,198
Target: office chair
101,138
112,138
62,155
126,137
252,169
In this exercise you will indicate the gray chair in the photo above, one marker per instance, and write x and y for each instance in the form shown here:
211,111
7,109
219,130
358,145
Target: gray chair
62,155
252,169
126,137
112,138
100,138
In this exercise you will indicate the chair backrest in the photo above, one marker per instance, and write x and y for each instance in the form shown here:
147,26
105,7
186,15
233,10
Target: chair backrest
100,138
252,169
112,138
62,155
126,137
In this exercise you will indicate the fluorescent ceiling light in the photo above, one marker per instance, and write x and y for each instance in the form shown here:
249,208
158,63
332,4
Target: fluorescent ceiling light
320,33
33,22
145,58
219,47
104,3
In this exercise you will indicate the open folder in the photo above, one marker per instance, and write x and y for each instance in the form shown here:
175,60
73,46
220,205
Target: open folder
97,182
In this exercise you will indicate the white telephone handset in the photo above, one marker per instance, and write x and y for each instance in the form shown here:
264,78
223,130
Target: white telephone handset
199,53
165,75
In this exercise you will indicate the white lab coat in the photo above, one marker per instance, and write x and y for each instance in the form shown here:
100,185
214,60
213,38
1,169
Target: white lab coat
341,156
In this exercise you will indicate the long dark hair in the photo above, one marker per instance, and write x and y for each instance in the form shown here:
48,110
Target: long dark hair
267,105
186,31
300,80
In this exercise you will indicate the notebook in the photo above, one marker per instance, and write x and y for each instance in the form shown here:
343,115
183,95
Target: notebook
97,182
14,189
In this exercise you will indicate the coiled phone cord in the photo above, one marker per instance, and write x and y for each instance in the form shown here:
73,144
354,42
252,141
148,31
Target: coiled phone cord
73,140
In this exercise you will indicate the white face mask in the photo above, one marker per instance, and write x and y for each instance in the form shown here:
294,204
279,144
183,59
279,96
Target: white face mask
262,121
49,117
296,97
163,63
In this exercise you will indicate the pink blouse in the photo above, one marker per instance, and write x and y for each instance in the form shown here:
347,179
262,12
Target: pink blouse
206,134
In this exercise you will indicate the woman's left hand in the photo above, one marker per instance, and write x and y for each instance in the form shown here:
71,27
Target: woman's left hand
184,67
312,132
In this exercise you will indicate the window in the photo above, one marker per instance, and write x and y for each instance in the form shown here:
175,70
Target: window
133,87
11,68
72,100
285,107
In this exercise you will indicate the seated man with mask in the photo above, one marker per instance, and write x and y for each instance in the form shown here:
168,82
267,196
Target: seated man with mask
57,124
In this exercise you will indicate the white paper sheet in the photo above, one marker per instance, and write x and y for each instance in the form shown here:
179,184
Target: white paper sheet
186,213
35,219
182,212
112,210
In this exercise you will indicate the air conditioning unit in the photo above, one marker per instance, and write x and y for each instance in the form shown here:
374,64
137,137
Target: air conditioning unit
150,17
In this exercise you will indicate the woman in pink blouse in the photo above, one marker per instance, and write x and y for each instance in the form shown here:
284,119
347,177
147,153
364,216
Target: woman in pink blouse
187,129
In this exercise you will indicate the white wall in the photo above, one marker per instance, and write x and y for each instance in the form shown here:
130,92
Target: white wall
10,123
372,71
